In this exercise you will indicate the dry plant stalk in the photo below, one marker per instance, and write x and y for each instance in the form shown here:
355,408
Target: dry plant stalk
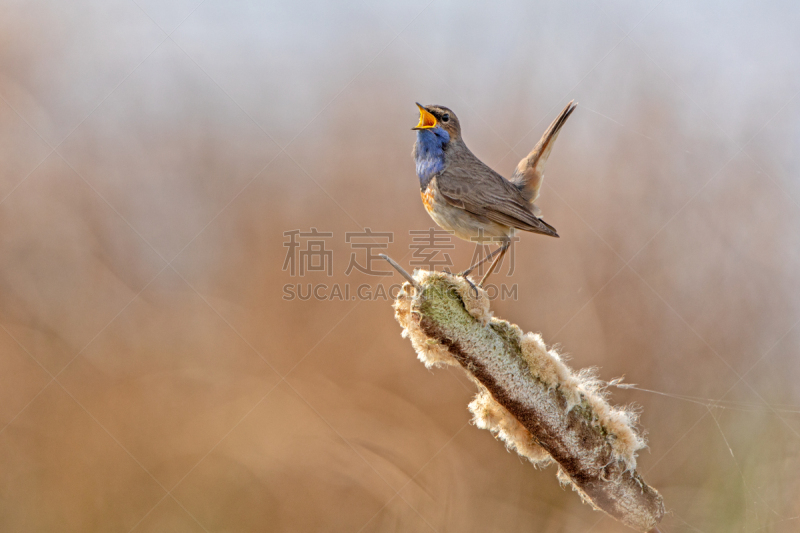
529,398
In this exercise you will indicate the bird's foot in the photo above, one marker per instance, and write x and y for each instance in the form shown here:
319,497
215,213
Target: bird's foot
471,284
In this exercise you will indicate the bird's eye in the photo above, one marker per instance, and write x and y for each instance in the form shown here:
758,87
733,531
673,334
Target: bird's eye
446,117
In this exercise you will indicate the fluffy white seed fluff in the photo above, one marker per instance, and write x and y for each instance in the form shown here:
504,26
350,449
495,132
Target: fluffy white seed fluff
545,365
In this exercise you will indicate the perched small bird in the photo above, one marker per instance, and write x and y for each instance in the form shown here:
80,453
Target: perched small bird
465,196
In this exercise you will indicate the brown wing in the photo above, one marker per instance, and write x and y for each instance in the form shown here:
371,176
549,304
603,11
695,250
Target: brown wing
471,185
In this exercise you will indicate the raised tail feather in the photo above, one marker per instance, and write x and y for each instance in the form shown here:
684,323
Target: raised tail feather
530,171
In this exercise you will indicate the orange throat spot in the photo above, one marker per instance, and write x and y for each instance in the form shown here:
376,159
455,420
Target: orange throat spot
427,199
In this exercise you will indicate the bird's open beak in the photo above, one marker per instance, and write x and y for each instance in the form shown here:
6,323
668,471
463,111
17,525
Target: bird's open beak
426,120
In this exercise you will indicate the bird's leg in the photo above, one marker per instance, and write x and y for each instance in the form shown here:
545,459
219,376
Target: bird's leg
496,262
489,257
476,265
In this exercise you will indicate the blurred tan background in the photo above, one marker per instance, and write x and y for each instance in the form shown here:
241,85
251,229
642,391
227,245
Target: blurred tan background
152,155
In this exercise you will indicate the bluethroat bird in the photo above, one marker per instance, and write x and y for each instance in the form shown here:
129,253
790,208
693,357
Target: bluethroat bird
465,196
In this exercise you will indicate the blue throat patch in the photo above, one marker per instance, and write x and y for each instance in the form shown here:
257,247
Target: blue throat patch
430,154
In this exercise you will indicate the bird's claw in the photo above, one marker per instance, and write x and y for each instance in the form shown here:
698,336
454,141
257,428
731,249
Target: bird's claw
471,284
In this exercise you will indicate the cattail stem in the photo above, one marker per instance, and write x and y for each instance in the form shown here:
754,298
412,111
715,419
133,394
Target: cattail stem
529,398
